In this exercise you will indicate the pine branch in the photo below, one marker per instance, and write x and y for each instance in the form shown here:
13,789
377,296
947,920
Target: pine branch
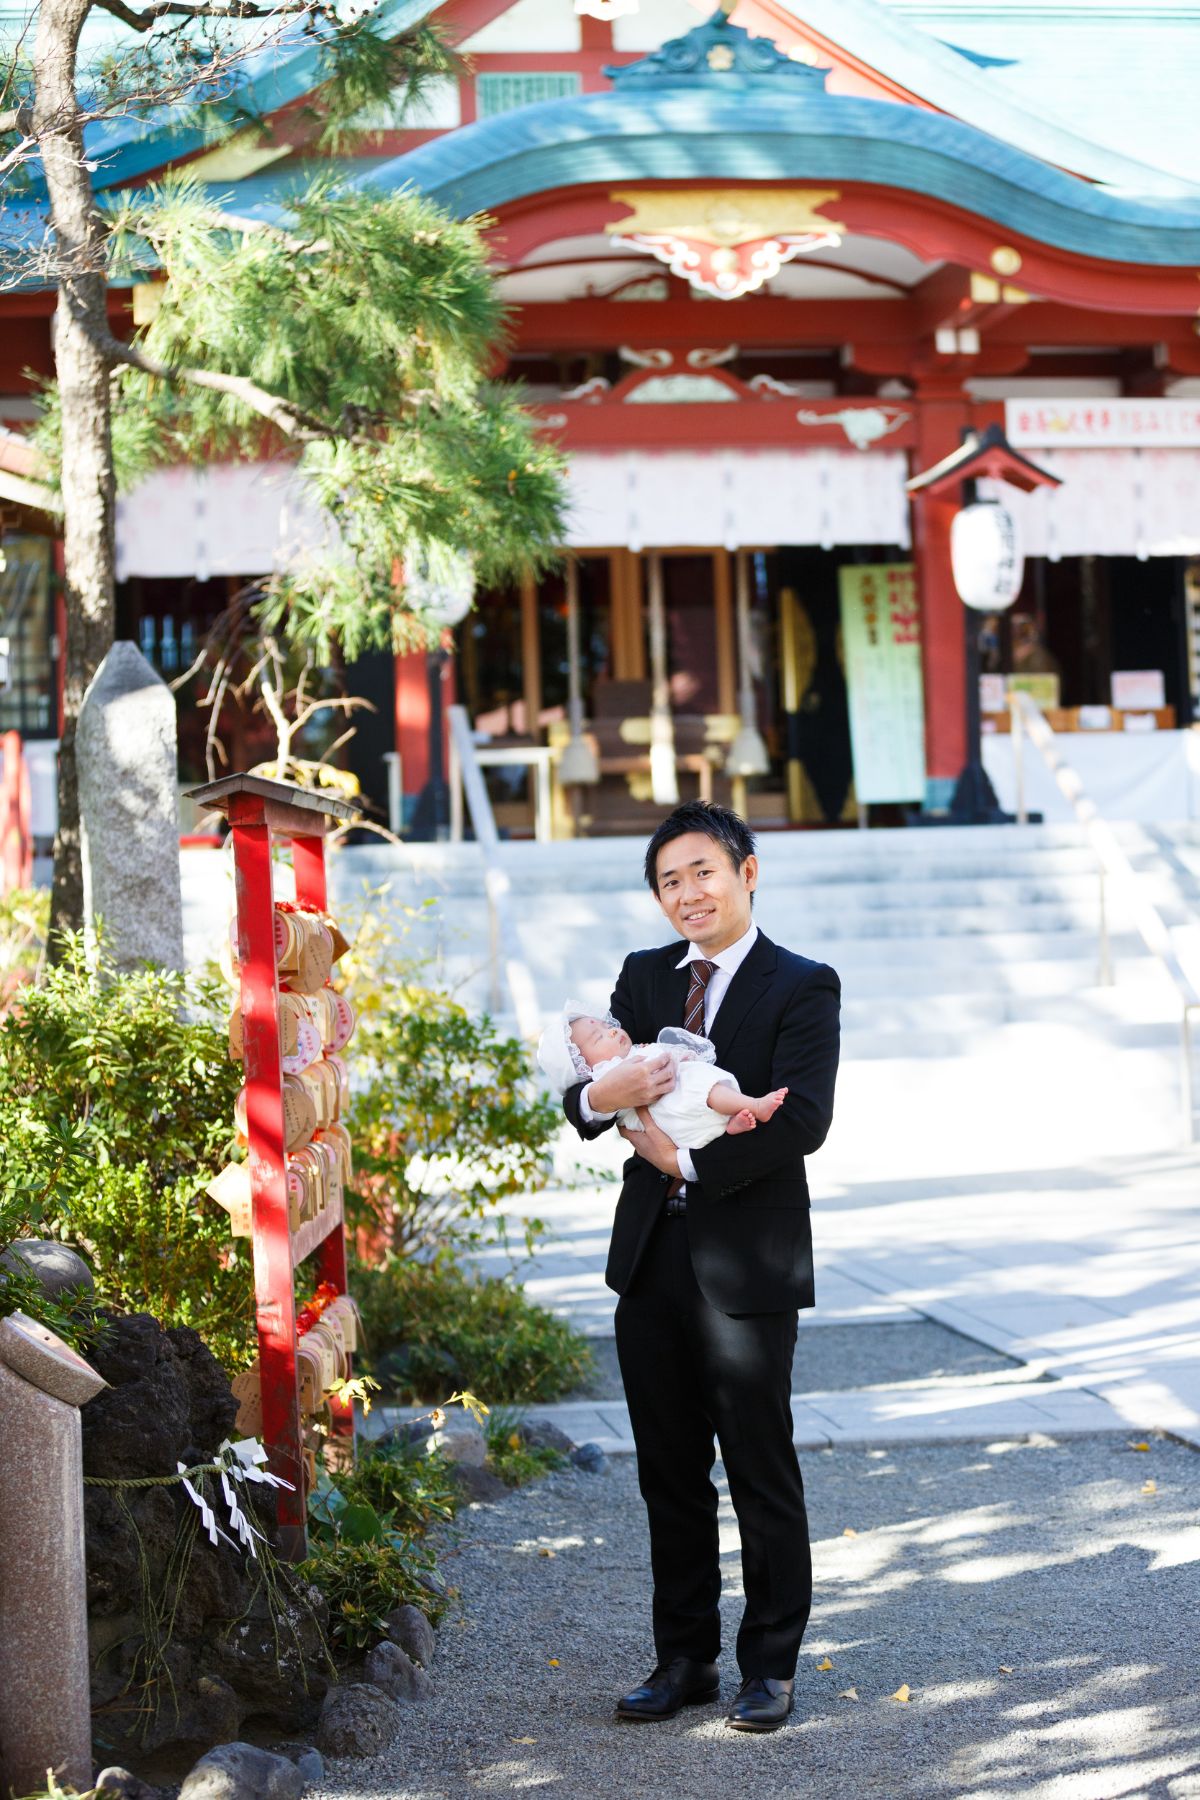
301,426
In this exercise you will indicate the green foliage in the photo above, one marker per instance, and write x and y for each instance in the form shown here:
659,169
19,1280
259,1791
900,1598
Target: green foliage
376,316
413,1487
441,1323
366,1540
446,1117
24,920
116,1108
514,1461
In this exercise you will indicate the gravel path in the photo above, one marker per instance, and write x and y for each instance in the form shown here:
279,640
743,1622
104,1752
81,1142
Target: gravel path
1044,1557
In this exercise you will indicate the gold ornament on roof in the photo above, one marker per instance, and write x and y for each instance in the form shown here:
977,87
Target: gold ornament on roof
720,58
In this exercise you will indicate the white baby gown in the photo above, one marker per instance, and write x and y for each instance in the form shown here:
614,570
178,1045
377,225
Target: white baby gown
684,1114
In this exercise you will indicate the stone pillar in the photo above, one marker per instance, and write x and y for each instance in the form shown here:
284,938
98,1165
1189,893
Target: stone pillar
127,761
45,1713
942,413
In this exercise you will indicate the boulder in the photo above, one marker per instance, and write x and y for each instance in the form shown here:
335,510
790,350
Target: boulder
478,1484
243,1772
121,1785
591,1459
541,1434
356,1720
389,1668
309,1761
409,1628
461,1440
58,1269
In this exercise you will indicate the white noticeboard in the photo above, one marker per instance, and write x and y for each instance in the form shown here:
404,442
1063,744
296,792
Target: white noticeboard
881,636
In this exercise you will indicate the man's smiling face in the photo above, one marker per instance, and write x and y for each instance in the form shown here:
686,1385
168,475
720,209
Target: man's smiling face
702,895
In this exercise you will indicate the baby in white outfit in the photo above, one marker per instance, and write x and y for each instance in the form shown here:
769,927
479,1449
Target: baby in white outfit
705,1101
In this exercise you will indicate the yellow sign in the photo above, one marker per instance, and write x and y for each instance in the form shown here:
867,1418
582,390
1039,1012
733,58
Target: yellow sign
726,216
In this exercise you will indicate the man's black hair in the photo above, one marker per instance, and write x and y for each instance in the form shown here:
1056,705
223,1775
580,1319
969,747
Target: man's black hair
719,823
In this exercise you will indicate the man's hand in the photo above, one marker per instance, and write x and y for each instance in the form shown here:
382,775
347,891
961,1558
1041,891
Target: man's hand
653,1144
633,1084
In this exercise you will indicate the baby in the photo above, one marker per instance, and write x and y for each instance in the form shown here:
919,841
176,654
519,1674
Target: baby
705,1101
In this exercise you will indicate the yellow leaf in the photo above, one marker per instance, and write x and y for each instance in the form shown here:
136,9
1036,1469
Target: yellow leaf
1006,1668
522,1740
554,1662
849,1532
1150,1487
544,1550
849,1693
514,1442
902,1694
824,1664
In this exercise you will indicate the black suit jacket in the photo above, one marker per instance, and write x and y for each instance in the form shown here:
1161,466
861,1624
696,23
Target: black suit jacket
747,1216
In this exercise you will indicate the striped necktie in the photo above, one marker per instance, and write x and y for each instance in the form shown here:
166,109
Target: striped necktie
693,1012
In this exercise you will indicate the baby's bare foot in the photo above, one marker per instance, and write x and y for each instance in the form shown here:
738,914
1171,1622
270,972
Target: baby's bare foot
769,1105
741,1121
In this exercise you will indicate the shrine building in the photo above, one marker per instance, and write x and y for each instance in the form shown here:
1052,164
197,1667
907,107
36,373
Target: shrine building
766,273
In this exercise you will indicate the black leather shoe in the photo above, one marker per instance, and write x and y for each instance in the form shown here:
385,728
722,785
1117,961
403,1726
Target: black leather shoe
762,1704
662,1694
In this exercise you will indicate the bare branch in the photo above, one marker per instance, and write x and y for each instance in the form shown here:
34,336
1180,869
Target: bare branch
144,18
18,153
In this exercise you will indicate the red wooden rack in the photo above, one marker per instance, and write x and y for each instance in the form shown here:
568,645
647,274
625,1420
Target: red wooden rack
263,814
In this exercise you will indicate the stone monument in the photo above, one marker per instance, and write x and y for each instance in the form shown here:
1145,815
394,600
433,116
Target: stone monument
45,1708
126,758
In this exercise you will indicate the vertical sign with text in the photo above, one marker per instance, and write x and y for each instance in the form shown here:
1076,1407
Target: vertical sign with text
881,636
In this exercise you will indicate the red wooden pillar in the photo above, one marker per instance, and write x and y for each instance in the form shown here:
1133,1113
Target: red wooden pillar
943,412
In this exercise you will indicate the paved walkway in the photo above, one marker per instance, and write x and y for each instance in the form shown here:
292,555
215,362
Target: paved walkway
1087,1274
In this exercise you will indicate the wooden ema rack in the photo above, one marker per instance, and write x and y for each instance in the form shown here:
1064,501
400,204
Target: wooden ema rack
263,813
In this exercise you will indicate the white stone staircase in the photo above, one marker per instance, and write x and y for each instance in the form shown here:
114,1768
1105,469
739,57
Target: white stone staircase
973,1022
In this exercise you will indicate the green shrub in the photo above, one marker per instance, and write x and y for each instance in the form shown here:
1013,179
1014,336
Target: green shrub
414,1487
514,1461
447,1119
429,1326
364,1582
116,1109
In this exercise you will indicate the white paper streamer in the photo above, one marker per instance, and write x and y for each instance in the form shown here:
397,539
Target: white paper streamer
243,1461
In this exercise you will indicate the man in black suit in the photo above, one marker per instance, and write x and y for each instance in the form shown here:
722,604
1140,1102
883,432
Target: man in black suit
712,1255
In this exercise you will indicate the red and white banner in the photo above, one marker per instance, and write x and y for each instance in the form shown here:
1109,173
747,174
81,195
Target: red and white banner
1075,424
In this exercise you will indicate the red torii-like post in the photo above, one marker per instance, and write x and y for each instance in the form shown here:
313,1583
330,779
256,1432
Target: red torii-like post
262,813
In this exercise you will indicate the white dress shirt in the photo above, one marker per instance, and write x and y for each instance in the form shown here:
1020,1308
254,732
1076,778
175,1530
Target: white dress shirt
727,963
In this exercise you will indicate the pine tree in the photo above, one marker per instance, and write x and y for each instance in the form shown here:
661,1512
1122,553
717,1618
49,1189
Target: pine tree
354,336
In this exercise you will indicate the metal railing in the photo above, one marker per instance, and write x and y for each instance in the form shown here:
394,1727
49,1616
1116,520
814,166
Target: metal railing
539,757
1114,864
505,954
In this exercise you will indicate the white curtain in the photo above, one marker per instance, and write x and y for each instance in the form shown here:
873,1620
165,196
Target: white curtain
1119,502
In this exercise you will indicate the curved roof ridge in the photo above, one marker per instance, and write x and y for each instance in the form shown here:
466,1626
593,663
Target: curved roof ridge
680,134
935,71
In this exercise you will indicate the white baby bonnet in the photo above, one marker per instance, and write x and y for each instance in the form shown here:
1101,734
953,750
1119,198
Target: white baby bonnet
562,1059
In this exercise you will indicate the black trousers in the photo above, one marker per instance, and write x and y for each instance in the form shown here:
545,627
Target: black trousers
691,1372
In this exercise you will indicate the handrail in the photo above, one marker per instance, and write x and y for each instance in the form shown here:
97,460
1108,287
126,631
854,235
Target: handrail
505,945
538,757
1028,719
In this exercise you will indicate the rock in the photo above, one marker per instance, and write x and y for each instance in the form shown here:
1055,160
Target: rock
540,1434
309,1761
389,1668
591,1459
461,1440
124,1786
433,1581
126,758
482,1485
228,1658
243,1772
57,1268
409,1628
356,1720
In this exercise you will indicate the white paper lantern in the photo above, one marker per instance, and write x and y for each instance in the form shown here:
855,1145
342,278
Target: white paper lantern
442,595
987,556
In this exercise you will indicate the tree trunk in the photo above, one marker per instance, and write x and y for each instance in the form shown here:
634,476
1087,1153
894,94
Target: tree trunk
88,487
